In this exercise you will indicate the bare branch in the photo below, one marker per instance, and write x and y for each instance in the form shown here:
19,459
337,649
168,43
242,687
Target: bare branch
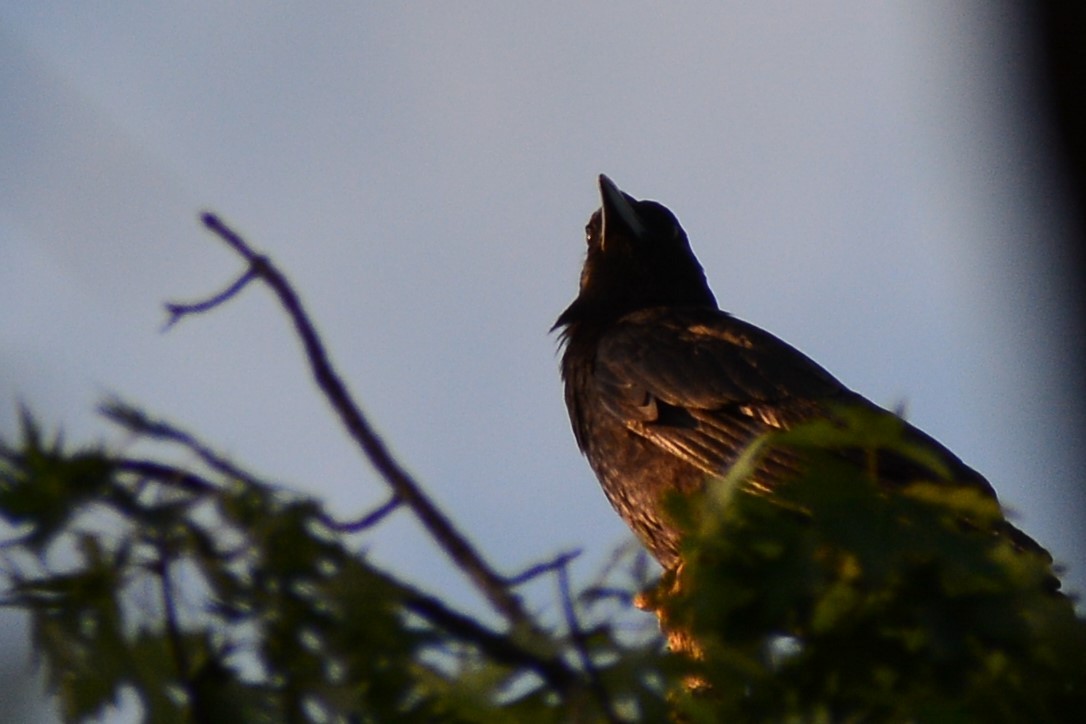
165,474
174,637
224,232
369,519
500,647
559,561
403,485
138,422
178,310
577,636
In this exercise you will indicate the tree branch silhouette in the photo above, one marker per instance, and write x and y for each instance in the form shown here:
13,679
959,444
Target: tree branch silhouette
404,487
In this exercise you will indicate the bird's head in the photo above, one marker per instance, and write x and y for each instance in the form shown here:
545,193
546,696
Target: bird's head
638,257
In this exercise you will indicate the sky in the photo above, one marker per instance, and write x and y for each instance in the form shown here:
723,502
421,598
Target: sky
862,179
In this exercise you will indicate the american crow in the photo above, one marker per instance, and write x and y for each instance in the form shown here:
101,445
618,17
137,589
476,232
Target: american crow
664,389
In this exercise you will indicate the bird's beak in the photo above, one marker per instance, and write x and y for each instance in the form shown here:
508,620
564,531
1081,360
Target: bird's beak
619,217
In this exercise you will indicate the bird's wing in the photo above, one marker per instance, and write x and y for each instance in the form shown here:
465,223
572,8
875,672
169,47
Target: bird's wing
702,384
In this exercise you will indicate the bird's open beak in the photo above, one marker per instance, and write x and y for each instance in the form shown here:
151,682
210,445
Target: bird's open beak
619,217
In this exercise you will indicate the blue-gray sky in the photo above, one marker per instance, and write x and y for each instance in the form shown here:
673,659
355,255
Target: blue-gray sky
858,178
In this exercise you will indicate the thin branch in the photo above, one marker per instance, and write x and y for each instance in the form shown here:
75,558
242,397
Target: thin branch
368,520
174,637
187,675
224,232
608,593
577,636
403,485
138,422
502,648
559,561
16,543
165,474
178,310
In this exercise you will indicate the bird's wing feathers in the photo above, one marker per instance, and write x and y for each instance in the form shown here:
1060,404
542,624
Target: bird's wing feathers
702,384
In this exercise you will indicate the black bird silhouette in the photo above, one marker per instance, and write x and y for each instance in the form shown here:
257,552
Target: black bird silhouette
664,389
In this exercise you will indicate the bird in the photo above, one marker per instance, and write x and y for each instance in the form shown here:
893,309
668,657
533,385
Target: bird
665,390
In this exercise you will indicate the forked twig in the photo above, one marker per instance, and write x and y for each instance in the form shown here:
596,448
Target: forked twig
178,310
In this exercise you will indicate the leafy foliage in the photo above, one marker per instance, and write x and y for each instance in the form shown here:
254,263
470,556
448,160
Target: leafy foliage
836,599
224,598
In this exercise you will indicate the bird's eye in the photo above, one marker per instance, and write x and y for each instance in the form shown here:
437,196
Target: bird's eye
588,234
